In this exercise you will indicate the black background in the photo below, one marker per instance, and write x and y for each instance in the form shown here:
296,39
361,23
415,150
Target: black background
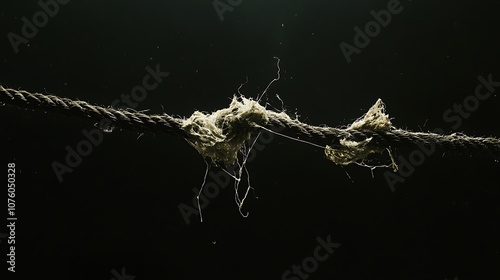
119,208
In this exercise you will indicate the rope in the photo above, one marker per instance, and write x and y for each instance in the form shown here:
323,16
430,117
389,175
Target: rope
124,119
453,143
349,145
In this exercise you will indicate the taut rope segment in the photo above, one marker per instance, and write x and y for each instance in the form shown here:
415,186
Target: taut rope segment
220,135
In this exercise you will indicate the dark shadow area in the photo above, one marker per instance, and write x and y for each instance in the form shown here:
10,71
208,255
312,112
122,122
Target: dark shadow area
117,214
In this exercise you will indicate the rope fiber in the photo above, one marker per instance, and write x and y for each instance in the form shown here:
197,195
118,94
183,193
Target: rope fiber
245,116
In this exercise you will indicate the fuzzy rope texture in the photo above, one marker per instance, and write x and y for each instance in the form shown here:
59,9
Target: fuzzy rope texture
218,136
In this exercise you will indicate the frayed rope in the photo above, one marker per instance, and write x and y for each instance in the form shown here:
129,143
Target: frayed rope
220,135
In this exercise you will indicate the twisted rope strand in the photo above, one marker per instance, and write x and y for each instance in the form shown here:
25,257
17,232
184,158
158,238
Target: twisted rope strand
453,143
140,122
128,120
